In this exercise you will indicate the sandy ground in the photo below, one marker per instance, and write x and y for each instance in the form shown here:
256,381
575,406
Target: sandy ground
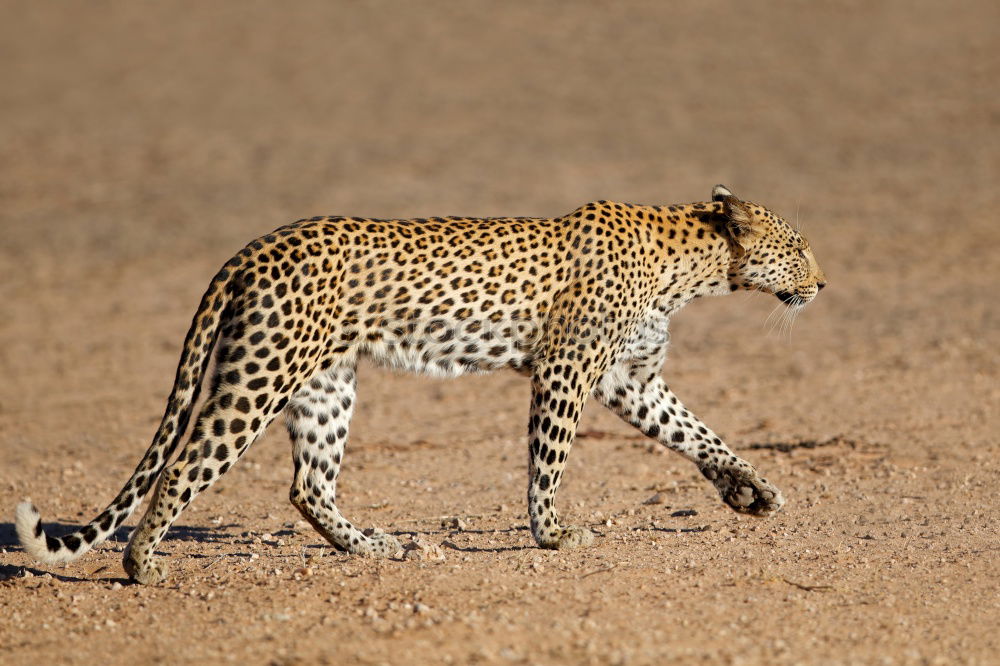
141,144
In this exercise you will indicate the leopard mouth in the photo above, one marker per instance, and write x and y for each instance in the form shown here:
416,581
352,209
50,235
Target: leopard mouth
789,298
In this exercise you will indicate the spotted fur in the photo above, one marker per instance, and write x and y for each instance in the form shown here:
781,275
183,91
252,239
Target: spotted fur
580,303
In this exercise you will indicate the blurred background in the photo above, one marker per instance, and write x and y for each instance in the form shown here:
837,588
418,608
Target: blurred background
161,127
142,144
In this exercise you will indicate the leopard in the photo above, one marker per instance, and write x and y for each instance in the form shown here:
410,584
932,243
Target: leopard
579,303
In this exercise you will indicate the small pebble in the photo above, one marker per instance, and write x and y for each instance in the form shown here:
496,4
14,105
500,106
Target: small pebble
418,549
455,523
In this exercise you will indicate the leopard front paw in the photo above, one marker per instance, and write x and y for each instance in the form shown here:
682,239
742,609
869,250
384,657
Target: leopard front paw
378,544
563,538
744,491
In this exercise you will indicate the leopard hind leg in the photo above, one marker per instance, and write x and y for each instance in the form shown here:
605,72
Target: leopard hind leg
235,415
318,418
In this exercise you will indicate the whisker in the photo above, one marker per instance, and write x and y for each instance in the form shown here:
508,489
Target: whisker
772,318
793,313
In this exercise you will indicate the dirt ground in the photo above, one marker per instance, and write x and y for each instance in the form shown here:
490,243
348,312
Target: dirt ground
141,144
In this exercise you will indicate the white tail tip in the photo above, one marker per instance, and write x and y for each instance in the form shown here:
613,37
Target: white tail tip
28,523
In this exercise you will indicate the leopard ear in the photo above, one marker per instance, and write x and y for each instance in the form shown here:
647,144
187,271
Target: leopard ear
737,214
720,192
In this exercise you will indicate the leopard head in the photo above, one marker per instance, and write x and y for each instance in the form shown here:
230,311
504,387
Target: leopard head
768,254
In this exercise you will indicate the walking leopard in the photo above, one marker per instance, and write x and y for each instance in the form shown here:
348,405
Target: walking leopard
577,303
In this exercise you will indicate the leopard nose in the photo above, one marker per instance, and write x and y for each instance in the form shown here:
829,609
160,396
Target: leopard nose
820,285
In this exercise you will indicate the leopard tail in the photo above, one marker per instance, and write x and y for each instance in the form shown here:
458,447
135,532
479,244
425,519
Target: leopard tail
195,357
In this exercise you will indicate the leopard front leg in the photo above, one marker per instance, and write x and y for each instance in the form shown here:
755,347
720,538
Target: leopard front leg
644,400
558,395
